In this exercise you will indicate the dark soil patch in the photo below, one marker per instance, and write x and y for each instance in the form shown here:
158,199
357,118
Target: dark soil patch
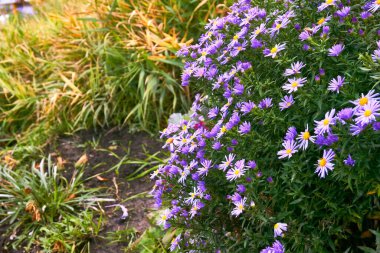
98,148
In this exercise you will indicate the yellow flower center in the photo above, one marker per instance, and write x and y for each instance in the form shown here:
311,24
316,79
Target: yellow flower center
306,135
368,112
288,104
233,72
322,162
258,31
321,21
364,100
240,207
288,151
192,195
276,226
209,33
237,172
184,127
274,50
204,53
170,140
378,2
326,122
239,48
184,140
329,1
164,217
236,38
224,129
294,84
278,26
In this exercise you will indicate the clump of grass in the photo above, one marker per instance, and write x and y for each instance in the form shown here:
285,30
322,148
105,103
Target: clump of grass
40,207
108,63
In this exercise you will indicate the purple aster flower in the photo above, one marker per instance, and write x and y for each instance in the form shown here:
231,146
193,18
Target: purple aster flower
279,23
336,84
175,243
345,115
234,142
374,6
306,47
239,207
279,229
376,126
293,84
245,128
246,107
290,148
291,133
349,161
304,35
295,68
236,197
331,139
238,48
376,55
322,72
317,78
251,164
304,138
243,66
357,129
238,89
325,31
297,27
286,102
270,180
365,99
265,103
323,126
325,163
365,14
256,43
240,188
259,30
278,247
213,112
217,145
342,13
326,4
274,51
367,113
336,50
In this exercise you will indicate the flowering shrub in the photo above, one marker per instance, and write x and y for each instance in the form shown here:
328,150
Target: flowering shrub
282,149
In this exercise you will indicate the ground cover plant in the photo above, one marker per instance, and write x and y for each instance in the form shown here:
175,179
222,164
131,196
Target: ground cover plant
280,152
43,210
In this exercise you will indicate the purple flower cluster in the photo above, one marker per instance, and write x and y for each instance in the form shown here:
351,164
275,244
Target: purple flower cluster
365,112
206,142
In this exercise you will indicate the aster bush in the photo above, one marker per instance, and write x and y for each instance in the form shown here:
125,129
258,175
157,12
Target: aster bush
280,151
